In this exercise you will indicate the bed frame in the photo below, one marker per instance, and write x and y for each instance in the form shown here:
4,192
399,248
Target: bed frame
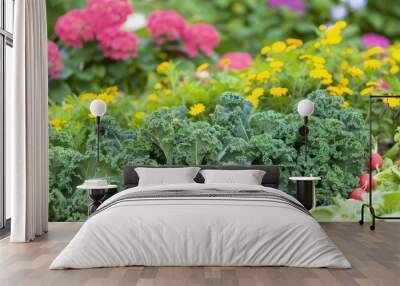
270,179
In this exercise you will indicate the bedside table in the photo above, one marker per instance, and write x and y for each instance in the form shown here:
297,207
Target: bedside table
98,195
305,193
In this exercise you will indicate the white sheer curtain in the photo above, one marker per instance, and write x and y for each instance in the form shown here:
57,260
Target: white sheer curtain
27,123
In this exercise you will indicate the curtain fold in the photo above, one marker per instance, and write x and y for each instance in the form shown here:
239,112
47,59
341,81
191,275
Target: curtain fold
27,124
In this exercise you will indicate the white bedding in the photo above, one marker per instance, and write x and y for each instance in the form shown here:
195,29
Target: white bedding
200,231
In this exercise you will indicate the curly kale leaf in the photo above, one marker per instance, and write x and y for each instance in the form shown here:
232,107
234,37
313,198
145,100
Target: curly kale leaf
237,152
275,124
233,113
335,154
271,151
66,172
195,142
160,129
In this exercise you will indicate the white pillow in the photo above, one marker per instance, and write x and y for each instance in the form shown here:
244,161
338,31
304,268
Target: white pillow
166,176
248,177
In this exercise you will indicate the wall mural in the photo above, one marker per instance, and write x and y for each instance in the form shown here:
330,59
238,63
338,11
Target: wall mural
218,83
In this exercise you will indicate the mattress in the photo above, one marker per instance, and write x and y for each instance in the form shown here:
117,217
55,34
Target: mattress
201,225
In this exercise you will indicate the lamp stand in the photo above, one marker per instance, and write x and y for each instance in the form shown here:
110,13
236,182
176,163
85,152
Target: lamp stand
99,132
303,130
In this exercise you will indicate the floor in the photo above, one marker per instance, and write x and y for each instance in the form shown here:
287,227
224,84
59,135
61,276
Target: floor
375,257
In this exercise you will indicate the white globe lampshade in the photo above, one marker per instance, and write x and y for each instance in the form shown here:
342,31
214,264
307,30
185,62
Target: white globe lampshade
98,107
305,108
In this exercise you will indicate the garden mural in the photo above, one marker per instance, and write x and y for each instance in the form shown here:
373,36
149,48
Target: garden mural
217,82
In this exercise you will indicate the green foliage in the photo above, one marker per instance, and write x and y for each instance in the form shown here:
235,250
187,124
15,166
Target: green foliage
233,113
234,135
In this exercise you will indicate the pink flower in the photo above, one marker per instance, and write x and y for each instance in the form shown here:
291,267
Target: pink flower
54,58
202,37
374,40
104,14
384,84
73,28
166,23
235,61
117,44
292,5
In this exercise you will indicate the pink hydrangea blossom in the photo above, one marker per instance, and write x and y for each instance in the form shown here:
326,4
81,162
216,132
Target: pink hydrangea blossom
54,59
374,40
235,61
203,37
73,28
166,24
118,44
104,14
292,5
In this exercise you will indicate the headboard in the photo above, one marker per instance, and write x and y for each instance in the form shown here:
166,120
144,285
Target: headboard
270,179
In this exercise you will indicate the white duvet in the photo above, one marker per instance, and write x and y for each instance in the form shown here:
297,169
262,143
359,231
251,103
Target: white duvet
200,231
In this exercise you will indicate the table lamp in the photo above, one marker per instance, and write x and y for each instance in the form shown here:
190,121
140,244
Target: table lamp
98,108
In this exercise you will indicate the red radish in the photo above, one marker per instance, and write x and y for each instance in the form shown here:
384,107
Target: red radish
364,182
357,194
376,161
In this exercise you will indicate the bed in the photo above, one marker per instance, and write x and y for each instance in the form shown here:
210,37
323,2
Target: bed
197,224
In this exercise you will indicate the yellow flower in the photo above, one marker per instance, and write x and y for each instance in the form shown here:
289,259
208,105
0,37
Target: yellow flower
334,90
332,35
343,80
355,71
372,83
263,76
265,50
367,91
57,124
107,98
347,90
319,73
202,67
68,106
246,89
87,96
372,52
163,67
112,90
225,62
278,91
393,102
394,69
372,64
322,27
345,104
139,115
197,109
318,61
327,81
278,47
257,92
254,100
394,53
167,91
158,86
152,97
294,42
250,76
276,65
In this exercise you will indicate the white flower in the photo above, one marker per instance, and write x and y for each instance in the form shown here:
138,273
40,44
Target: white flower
135,22
339,12
356,4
